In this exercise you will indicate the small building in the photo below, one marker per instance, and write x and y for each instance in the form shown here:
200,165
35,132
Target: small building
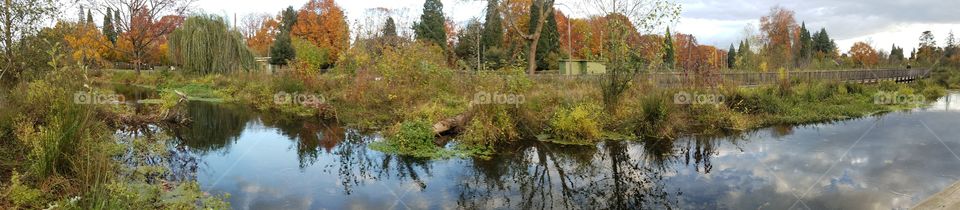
581,67
264,63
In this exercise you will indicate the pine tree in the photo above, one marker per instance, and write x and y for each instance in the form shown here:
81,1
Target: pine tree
669,56
89,18
823,44
80,16
806,43
109,30
282,49
492,27
744,49
389,28
951,48
288,19
548,47
431,27
731,57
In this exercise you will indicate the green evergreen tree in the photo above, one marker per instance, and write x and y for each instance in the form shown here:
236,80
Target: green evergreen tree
823,44
109,30
548,47
669,54
389,28
492,27
806,45
731,57
431,27
896,54
744,49
282,50
89,18
80,16
288,18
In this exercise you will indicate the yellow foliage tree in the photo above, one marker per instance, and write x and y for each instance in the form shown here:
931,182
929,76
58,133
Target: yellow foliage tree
88,45
324,24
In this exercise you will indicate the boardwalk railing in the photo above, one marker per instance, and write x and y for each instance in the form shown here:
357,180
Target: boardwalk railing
675,79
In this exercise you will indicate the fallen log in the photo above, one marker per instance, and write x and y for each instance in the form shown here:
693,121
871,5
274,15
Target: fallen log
451,125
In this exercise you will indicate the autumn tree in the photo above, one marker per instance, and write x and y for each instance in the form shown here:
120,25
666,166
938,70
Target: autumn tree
323,23
432,25
264,31
282,49
778,28
535,30
144,24
19,19
86,43
624,63
864,55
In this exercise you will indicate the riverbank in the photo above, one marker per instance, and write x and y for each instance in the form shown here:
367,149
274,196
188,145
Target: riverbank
404,100
949,198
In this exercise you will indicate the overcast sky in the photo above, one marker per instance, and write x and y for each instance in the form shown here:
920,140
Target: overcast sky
714,22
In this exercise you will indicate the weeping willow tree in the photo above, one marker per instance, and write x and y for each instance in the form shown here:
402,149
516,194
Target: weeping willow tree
205,44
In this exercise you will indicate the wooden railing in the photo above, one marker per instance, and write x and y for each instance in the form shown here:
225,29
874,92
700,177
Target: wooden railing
675,79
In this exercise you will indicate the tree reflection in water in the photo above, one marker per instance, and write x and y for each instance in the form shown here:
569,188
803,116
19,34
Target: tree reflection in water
529,175
213,126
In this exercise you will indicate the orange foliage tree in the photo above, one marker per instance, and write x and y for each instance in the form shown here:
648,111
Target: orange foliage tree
864,55
779,32
324,24
262,38
516,14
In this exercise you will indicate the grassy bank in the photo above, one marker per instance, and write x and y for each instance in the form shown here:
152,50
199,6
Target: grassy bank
61,151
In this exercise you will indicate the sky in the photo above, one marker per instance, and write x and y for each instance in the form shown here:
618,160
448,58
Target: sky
880,23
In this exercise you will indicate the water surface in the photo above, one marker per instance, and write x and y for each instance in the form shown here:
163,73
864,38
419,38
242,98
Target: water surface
890,161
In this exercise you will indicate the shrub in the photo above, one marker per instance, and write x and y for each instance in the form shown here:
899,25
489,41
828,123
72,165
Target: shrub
579,123
310,58
490,126
413,138
654,120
